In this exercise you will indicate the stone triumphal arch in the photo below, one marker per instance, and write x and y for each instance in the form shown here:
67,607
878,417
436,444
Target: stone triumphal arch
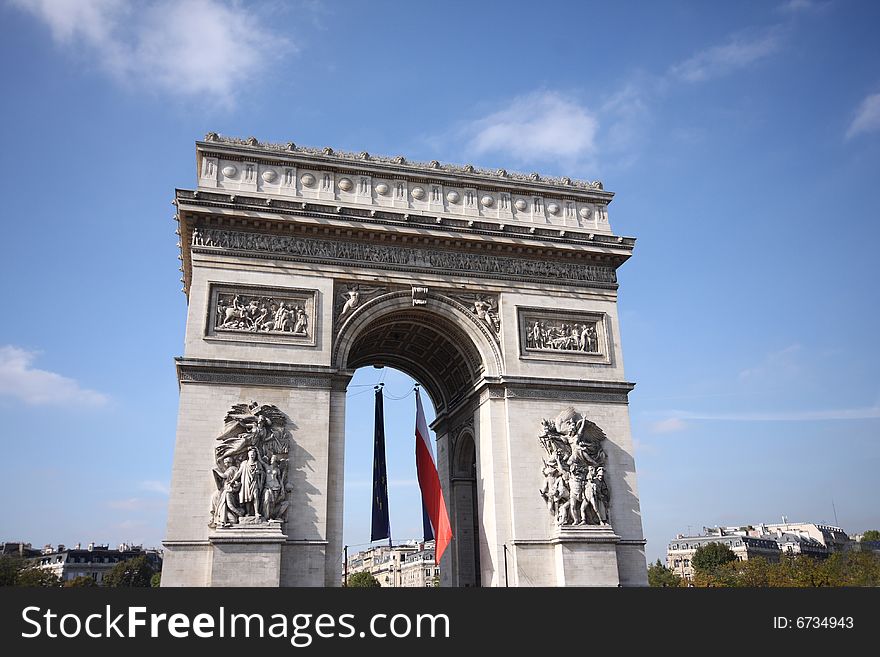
497,291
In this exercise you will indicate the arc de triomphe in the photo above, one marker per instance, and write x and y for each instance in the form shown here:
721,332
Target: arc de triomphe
497,291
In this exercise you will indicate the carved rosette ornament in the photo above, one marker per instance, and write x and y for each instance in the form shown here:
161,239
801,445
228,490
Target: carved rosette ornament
574,488
252,460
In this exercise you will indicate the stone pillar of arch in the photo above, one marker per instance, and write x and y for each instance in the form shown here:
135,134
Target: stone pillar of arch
496,291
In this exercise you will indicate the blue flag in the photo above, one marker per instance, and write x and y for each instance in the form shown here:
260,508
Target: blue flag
381,526
426,523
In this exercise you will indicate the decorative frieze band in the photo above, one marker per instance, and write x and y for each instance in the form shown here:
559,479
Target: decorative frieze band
252,379
236,373
534,388
570,395
404,258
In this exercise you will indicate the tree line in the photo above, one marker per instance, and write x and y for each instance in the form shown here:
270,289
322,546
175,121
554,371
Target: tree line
136,572
715,564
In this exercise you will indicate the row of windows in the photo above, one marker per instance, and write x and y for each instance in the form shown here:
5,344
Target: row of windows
687,546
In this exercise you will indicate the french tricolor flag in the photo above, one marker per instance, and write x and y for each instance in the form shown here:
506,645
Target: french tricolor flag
429,483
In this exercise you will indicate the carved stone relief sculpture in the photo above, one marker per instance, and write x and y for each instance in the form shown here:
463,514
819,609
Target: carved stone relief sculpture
574,487
251,467
259,314
404,258
351,295
563,335
560,335
279,313
485,308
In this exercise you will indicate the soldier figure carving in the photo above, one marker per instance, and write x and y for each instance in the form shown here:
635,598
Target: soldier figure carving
252,457
574,487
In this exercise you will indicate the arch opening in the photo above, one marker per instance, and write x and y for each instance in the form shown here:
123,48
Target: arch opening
438,346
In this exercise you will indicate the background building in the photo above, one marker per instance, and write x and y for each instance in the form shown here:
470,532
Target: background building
18,549
402,565
95,561
834,539
680,553
769,541
419,568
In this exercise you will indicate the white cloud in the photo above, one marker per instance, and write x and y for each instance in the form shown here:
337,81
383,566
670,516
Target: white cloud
40,387
540,126
797,6
155,486
183,47
865,413
130,504
867,117
669,425
782,363
739,52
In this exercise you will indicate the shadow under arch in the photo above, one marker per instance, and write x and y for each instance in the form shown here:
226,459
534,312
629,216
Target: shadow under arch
441,344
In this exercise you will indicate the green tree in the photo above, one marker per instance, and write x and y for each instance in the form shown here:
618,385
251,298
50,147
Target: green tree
659,575
852,569
81,581
156,580
754,573
363,580
9,569
871,535
707,562
35,576
135,572
710,556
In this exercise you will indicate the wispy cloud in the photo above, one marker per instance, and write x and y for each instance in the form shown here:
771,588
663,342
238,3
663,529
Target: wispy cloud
864,413
155,486
540,126
800,6
19,379
129,504
181,47
784,362
737,53
669,425
867,118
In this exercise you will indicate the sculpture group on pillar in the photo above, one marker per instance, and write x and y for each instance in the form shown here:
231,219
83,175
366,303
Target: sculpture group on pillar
574,487
252,463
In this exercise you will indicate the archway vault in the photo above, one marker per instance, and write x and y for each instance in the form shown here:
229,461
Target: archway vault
437,343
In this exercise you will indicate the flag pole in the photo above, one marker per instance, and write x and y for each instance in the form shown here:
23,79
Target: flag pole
381,523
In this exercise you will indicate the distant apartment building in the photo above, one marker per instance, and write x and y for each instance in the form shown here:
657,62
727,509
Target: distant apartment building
769,541
419,569
18,549
94,561
681,550
834,539
392,566
859,544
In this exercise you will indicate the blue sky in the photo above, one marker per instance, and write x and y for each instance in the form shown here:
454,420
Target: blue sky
742,140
